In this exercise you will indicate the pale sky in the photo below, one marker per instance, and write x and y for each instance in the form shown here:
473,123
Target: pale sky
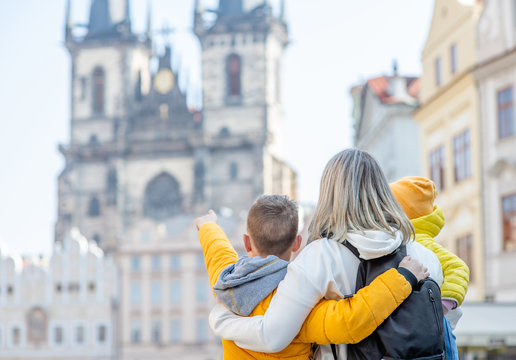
335,44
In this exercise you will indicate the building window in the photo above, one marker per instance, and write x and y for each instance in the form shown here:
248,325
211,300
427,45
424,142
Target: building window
234,69
175,331
98,90
96,238
201,331
94,207
162,197
233,171
156,263
462,156
156,293
136,293
136,331
80,335
453,58
175,262
175,292
505,113
277,70
201,291
465,252
156,331
16,336
437,168
509,222
83,88
58,335
135,263
438,74
102,334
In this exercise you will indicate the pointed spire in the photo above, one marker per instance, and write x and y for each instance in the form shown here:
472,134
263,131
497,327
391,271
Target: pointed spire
68,22
127,17
149,21
100,17
282,14
165,61
197,20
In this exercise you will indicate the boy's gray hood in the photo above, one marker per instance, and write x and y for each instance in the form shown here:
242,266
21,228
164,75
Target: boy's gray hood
244,284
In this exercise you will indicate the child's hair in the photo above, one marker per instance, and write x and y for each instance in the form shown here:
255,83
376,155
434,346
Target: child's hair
354,197
272,224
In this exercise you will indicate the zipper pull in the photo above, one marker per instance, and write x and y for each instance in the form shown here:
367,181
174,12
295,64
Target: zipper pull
431,293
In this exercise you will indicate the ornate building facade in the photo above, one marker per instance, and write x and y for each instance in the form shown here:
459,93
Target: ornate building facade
63,307
450,132
496,78
141,164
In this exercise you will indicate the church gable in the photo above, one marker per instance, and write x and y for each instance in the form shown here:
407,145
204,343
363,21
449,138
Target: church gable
447,16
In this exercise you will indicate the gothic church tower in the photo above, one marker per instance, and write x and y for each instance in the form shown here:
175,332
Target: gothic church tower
130,155
242,54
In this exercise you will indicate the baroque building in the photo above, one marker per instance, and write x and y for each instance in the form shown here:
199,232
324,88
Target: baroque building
61,307
141,164
450,133
496,78
384,125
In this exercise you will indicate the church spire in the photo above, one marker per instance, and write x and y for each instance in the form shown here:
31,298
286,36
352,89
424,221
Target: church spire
100,18
149,21
68,21
282,14
127,17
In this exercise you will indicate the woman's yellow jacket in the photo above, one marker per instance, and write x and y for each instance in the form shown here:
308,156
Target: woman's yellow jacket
331,322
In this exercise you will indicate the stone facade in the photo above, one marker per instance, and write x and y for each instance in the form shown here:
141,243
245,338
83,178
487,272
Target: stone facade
496,78
61,307
384,125
141,164
450,132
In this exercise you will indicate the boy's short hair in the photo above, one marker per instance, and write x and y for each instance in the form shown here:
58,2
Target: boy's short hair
272,223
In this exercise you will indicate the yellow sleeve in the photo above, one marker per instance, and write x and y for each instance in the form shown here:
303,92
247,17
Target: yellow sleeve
455,270
218,251
352,319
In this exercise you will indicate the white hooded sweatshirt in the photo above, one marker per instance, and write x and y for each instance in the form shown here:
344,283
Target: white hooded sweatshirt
324,268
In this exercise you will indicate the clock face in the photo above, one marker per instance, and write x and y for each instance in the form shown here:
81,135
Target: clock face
164,81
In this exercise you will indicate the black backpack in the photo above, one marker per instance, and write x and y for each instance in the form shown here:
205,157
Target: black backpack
414,330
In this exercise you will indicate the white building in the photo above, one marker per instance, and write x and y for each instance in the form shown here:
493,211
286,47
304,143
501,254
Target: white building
384,125
59,308
496,79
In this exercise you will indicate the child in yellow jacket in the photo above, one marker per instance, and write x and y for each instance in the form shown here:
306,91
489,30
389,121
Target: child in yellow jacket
247,285
416,196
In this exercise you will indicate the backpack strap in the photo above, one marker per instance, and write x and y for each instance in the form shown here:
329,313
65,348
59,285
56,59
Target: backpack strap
353,249
334,351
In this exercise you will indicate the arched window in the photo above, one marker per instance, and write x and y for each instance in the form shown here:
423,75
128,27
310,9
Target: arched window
162,197
112,184
99,80
94,207
96,238
199,173
94,140
234,70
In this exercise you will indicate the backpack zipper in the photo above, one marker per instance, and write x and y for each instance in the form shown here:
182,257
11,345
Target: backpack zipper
432,299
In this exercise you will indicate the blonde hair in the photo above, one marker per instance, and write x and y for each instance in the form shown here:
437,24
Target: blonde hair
354,197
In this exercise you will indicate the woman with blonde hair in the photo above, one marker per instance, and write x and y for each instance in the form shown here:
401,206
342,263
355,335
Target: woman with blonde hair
355,205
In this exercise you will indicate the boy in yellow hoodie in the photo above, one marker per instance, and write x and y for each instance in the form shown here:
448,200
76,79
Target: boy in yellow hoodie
247,285
416,195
